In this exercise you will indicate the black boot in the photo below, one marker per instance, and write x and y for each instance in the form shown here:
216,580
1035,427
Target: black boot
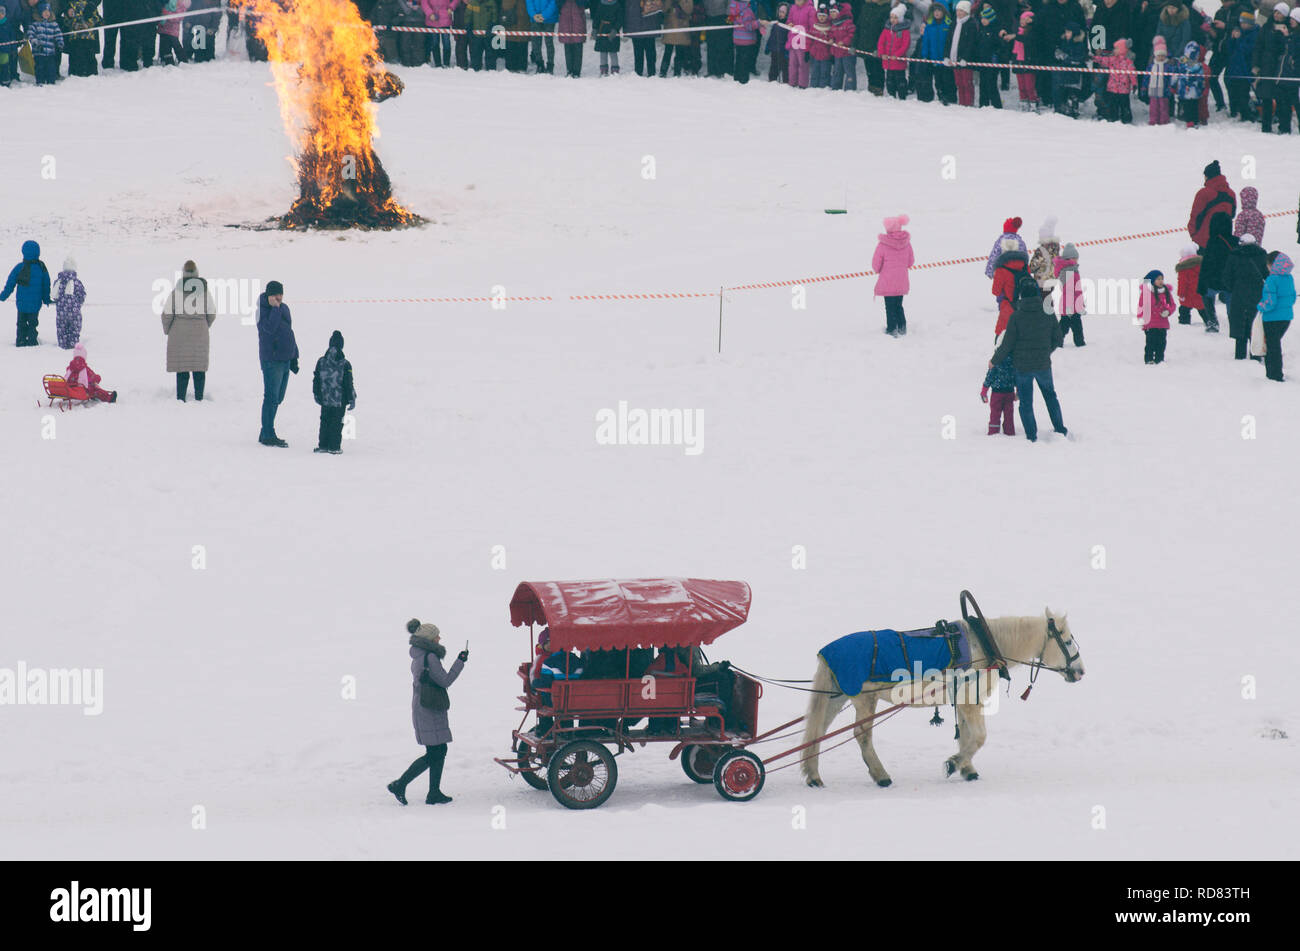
436,757
183,386
199,379
398,786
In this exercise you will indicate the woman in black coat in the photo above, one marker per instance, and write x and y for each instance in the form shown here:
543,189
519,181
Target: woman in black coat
1244,274
1218,246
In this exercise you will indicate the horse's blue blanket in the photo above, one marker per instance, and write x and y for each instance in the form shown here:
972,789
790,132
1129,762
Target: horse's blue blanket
892,656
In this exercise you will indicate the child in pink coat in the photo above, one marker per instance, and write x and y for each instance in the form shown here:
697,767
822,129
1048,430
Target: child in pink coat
1120,83
894,41
80,374
438,14
892,259
819,49
1155,304
1065,268
169,33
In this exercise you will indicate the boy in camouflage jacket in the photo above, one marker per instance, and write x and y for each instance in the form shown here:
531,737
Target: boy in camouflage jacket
332,386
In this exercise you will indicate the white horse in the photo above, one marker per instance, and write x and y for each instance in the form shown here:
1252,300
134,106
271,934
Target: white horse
1037,641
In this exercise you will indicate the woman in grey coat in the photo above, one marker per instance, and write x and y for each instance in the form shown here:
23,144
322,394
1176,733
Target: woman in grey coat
187,314
431,728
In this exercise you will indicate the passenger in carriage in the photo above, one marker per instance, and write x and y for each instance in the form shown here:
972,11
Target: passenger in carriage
714,680
549,666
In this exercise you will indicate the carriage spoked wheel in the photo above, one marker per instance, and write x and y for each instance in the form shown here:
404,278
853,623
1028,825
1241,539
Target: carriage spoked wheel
582,774
533,777
739,775
698,762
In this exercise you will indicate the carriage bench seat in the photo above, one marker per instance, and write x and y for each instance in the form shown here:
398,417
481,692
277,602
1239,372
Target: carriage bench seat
622,697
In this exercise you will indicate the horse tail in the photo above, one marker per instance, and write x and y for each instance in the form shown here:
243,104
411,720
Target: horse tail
824,703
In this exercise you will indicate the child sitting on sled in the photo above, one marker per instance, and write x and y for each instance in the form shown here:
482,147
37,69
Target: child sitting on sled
80,374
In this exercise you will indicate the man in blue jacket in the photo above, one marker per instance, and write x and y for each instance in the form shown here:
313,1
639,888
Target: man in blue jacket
278,351
32,279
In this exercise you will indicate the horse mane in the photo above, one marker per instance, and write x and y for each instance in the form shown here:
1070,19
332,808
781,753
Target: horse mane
1018,639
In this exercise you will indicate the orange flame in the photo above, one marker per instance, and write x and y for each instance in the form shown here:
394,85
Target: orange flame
325,63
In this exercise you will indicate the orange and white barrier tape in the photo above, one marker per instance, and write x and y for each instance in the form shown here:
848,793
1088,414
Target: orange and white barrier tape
757,285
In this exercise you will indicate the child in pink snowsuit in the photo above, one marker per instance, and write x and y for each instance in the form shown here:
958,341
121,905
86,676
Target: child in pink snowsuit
892,259
1155,304
799,23
80,374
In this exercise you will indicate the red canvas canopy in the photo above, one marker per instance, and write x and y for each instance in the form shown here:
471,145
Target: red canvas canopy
644,612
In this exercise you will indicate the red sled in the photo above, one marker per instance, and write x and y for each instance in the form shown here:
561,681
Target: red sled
64,393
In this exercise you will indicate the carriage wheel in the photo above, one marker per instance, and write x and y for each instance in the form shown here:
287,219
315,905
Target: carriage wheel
739,775
698,762
533,777
582,774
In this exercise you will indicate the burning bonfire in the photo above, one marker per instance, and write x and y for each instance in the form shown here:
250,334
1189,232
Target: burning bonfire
327,74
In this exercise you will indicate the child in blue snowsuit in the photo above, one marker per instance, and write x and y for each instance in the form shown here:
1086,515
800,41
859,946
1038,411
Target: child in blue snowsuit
1188,84
32,280
47,45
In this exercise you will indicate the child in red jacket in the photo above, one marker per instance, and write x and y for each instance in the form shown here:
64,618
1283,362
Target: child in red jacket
1155,304
80,374
1188,270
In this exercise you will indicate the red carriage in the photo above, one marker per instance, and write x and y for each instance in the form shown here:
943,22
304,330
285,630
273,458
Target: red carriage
584,722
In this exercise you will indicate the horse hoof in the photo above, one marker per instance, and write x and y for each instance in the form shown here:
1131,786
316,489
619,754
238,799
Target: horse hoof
816,783
948,767
972,775
883,782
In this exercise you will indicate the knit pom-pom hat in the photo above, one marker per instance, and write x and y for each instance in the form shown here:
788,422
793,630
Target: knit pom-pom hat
896,224
69,263
1048,231
1187,251
1011,225
1070,253
420,629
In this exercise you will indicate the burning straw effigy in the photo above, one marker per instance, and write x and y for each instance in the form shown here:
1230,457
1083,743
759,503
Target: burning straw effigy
328,75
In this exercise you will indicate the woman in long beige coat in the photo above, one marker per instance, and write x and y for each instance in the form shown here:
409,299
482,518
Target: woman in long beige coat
677,15
187,314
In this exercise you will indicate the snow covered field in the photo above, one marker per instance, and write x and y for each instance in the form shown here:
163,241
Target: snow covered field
475,428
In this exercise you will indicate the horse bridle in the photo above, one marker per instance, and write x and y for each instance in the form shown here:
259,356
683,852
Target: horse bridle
1053,634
